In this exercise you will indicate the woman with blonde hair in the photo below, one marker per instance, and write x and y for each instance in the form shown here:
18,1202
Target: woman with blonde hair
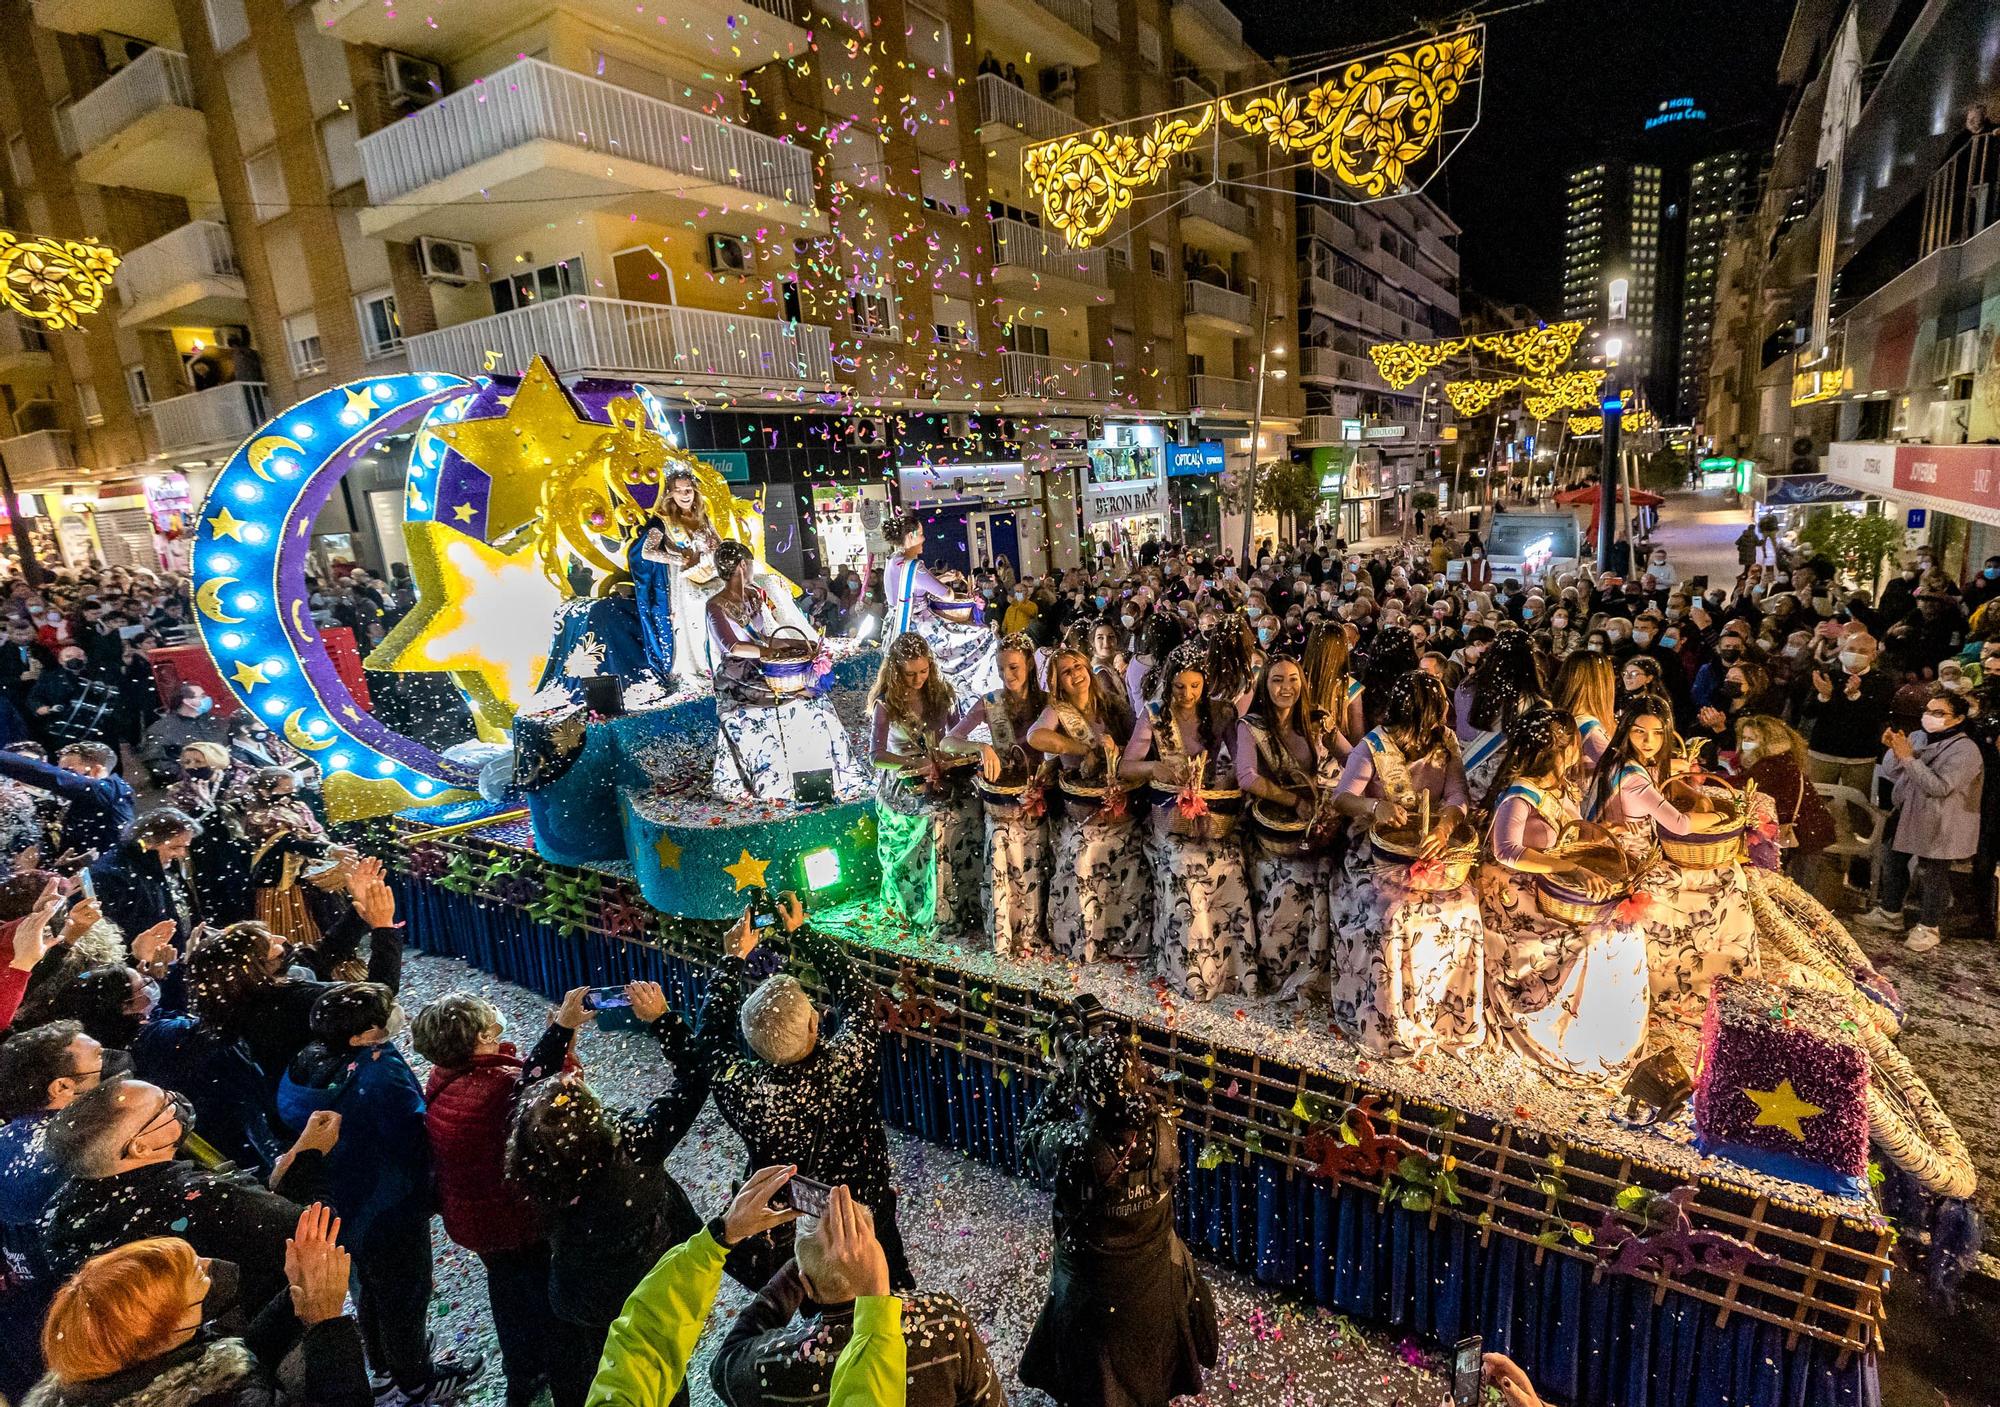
1100,889
1587,690
1771,753
927,825
132,1328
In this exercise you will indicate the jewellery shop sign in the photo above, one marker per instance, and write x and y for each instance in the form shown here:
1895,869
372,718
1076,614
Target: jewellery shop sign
1110,502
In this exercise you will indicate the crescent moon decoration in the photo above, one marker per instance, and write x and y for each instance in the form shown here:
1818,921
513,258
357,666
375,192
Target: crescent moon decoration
207,600
261,450
274,663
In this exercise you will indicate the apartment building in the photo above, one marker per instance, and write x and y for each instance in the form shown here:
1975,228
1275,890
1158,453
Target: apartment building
1613,268
1721,190
1900,404
1380,272
801,222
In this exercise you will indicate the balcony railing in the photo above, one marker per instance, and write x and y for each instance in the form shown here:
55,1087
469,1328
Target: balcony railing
157,78
643,340
220,415
1074,13
1332,364
1323,429
1053,379
1964,196
200,249
1020,245
1001,102
1210,204
38,452
1191,92
1221,393
531,101
1212,300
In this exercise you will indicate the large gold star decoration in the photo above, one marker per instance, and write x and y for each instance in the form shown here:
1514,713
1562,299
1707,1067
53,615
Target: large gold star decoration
1781,1108
541,433
481,613
668,851
748,871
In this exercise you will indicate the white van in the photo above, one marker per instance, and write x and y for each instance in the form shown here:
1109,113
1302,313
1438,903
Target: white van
1524,545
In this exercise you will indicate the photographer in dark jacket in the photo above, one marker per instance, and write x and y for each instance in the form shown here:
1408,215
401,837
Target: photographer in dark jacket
1129,1320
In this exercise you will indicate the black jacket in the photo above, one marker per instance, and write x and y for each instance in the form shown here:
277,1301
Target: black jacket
232,1217
135,892
769,1356
1844,727
274,1020
99,807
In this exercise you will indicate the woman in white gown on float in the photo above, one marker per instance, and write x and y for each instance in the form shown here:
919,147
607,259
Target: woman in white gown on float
966,651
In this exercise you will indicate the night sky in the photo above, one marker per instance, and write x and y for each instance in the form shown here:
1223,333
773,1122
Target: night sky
1565,79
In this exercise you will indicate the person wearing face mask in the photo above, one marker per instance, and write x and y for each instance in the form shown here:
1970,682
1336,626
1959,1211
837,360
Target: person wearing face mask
137,1327
1984,586
98,804
1844,711
1935,778
191,720
119,1145
74,704
1731,649
378,1177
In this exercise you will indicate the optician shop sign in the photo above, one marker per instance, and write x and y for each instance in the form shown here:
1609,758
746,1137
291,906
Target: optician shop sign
1203,458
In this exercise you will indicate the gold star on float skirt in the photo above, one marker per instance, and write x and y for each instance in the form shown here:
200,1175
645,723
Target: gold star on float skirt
541,433
249,675
1781,1108
669,853
748,871
481,613
462,513
226,524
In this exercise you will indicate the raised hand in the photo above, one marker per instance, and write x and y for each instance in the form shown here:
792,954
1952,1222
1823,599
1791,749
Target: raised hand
848,1235
573,1014
649,1003
316,1268
751,1213
155,945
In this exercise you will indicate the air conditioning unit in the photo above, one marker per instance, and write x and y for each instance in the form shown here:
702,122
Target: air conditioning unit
1059,81
728,253
412,82
1941,356
1965,353
868,433
120,49
1805,456
448,260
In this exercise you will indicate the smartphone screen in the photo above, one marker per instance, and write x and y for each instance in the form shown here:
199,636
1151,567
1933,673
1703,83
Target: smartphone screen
1467,1371
807,1196
763,919
85,883
606,999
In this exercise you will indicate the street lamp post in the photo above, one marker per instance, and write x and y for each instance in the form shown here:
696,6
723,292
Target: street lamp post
1264,321
1613,406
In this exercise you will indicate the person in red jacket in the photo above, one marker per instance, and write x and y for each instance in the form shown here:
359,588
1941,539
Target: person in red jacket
476,1082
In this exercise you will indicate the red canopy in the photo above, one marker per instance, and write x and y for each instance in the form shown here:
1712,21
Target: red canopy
1591,493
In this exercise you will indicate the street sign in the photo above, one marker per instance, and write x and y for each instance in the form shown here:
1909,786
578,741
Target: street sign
1917,517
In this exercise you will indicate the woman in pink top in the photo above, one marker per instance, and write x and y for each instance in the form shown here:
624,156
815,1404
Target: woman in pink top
1587,690
1100,894
911,594
1572,999
1280,758
926,835
1406,960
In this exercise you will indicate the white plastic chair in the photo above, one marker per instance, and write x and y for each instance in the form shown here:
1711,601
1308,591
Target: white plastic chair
1857,827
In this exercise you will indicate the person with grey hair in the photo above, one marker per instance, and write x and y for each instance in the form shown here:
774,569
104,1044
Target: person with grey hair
799,1099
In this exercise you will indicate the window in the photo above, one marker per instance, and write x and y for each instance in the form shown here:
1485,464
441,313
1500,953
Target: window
17,157
137,388
930,40
951,322
1023,337
943,185
561,279
1119,251
857,158
872,312
381,329
268,198
1149,44
337,137
302,339
86,400
1157,254
227,24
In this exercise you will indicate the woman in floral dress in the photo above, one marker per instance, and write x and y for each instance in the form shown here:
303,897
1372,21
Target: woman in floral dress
1100,895
1280,758
1201,896
1015,874
1406,958
1587,690
1570,998
1504,686
964,650
1698,922
926,826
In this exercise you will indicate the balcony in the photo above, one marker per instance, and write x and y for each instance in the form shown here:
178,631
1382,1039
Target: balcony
1208,33
1032,264
24,354
1054,31
1323,224
220,416
534,142
1216,309
184,279
1329,299
1033,376
1006,112
39,457
1211,220
150,20
1208,394
1329,366
1963,197
140,128
1317,430
722,36
643,341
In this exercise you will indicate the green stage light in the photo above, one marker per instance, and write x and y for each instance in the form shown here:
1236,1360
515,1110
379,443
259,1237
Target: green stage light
821,869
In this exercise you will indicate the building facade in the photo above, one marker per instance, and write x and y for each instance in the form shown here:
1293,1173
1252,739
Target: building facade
801,222
1721,190
1612,266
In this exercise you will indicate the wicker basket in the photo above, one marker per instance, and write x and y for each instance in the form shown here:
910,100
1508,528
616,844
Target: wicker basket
787,665
1218,822
1086,802
1709,849
1004,798
1398,855
1590,892
955,773
1281,833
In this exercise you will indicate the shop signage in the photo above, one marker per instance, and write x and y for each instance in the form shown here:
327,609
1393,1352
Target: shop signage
1350,429
1109,503
1800,489
1203,458
1968,474
1385,432
939,485
1868,467
732,464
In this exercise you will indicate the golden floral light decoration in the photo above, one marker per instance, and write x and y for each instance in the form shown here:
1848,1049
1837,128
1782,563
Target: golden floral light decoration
1536,350
1566,390
1633,420
1470,398
55,282
1084,181
1373,119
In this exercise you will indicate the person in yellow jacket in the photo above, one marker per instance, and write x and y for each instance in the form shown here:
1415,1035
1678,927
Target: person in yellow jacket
647,1351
